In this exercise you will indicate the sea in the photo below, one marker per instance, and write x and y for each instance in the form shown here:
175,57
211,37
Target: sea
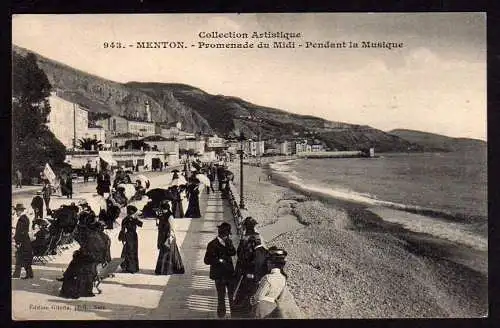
443,186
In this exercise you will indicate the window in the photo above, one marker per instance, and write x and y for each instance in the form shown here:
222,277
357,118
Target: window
114,124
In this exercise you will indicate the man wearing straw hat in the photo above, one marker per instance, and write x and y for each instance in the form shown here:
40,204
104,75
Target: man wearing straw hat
24,250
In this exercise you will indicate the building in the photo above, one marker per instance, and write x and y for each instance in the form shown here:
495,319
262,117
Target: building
302,146
97,133
254,148
215,142
197,145
113,126
317,147
120,139
141,128
67,120
171,130
162,144
286,147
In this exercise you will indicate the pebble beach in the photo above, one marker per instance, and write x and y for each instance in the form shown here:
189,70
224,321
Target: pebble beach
344,262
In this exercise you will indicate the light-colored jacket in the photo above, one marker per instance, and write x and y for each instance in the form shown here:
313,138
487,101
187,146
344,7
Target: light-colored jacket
270,287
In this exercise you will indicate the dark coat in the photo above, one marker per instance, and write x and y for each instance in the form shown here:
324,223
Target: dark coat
37,204
103,183
24,251
246,253
215,252
128,235
69,185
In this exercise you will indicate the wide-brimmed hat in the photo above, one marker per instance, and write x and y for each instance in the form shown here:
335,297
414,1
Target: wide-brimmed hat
19,207
249,222
277,255
82,202
224,227
131,209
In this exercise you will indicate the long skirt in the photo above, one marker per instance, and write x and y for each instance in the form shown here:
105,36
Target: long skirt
264,309
193,210
177,209
130,254
169,260
246,288
79,279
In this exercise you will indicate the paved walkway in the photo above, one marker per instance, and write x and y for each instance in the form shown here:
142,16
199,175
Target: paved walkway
138,296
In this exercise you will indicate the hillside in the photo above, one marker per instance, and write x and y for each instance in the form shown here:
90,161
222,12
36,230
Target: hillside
205,113
437,142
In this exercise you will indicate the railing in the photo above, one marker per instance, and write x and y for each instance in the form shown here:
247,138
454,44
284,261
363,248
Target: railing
235,209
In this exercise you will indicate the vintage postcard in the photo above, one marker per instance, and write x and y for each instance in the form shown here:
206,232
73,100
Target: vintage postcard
226,166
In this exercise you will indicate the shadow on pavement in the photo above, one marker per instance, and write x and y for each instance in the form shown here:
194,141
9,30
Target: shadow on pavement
139,286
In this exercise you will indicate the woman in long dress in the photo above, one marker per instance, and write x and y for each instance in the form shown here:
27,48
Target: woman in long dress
78,279
193,210
177,208
128,236
271,286
165,236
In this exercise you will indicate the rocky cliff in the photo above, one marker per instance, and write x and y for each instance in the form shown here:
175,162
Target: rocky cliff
206,113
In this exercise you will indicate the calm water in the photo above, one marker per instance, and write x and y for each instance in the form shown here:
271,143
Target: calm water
449,182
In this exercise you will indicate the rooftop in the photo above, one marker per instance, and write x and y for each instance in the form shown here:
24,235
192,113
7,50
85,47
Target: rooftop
156,137
126,135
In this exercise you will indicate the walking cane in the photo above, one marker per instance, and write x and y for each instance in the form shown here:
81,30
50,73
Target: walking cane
237,287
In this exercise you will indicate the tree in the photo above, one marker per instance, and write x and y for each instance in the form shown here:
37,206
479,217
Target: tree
33,143
90,144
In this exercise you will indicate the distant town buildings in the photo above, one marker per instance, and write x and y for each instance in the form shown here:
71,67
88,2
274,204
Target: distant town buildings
168,143
69,122
140,128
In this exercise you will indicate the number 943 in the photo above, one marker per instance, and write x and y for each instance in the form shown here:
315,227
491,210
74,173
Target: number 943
112,45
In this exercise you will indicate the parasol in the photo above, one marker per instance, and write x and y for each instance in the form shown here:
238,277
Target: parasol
144,181
158,194
129,189
203,179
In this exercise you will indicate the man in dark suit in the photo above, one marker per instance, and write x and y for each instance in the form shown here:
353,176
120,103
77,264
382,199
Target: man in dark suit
24,250
218,256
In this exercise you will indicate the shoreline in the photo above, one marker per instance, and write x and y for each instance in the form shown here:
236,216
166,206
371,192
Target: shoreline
450,216
360,263
469,232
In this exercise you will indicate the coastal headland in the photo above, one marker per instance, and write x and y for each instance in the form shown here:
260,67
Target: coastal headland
345,261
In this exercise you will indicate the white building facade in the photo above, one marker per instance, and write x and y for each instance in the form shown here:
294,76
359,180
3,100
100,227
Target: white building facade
67,121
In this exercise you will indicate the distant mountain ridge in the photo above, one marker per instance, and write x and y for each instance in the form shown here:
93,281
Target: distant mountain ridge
437,142
201,112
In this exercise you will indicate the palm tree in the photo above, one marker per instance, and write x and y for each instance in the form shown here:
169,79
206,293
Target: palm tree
90,144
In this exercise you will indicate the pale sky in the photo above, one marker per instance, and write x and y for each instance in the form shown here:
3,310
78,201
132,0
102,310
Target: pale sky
435,83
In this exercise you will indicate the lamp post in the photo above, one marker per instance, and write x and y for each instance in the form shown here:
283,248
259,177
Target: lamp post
242,202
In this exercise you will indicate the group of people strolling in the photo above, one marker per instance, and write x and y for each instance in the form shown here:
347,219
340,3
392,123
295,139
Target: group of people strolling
169,259
257,281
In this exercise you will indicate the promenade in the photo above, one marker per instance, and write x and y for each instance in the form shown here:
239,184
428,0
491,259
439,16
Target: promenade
139,296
